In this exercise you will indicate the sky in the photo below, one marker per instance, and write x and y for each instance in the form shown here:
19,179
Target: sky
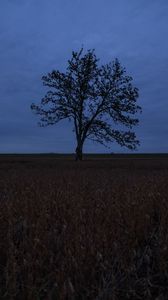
37,36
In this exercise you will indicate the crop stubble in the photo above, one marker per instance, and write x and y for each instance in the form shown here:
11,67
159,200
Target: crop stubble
97,229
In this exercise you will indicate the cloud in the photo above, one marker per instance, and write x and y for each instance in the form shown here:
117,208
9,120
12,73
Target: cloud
38,36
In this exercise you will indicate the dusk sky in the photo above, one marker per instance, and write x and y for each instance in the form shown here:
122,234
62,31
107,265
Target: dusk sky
37,36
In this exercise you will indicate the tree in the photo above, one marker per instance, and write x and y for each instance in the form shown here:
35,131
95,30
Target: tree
96,98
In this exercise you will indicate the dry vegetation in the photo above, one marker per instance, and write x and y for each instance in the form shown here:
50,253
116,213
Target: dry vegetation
96,229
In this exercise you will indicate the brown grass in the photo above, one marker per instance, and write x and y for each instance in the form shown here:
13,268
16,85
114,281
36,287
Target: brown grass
91,230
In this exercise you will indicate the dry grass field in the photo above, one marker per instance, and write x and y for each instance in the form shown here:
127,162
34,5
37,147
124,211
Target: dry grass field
97,229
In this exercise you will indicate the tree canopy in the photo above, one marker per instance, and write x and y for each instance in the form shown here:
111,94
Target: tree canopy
100,100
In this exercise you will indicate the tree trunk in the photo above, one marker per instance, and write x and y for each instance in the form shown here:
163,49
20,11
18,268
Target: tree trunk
79,152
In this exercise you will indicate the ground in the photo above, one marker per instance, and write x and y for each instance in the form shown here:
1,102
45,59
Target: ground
96,229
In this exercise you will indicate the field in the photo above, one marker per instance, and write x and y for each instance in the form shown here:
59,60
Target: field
96,229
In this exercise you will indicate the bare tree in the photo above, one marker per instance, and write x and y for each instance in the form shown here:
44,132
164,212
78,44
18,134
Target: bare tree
96,98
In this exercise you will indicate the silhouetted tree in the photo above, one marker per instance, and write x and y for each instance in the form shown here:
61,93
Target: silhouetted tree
96,98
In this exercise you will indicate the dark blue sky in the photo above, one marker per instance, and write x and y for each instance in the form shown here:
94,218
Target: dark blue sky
37,36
